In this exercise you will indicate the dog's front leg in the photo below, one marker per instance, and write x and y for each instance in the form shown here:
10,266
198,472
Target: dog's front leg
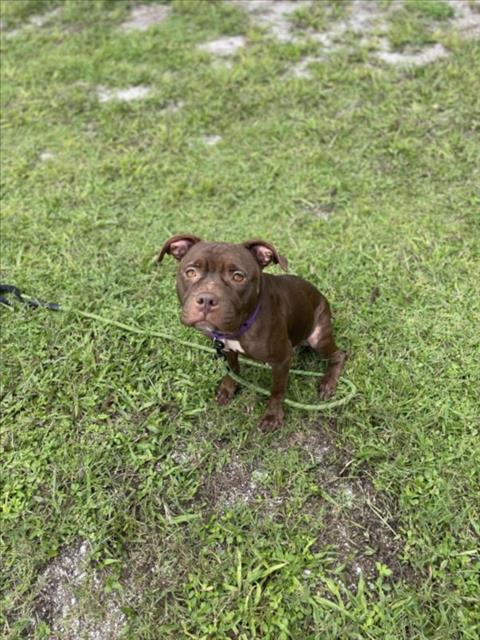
228,387
273,418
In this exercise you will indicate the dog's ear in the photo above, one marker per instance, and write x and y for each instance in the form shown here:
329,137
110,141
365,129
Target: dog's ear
265,253
177,246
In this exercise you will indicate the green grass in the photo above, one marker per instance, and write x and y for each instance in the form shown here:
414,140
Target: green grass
317,15
418,23
198,525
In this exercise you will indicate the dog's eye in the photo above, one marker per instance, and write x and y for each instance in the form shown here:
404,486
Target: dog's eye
238,276
191,273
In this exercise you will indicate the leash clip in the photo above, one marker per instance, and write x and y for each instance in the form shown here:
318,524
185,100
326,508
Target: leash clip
219,347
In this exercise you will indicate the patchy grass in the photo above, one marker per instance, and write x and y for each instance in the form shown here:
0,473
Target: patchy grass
433,9
418,23
318,15
14,13
126,491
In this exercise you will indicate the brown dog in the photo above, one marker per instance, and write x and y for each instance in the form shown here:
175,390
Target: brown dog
225,294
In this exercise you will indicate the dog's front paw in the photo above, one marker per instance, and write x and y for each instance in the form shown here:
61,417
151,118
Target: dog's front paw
226,390
271,421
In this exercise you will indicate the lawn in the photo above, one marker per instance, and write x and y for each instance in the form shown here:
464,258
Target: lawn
132,506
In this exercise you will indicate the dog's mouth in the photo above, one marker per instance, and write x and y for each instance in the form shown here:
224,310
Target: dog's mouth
205,326
207,323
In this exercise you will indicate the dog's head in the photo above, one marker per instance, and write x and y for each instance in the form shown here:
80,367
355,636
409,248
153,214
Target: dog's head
219,284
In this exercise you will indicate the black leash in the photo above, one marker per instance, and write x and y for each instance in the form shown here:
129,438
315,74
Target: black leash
34,303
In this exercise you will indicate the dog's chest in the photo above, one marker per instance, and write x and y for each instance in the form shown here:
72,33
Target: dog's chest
233,345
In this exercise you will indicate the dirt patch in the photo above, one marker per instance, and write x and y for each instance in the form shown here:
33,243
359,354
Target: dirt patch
45,156
365,19
144,16
59,606
411,58
346,515
173,106
233,485
349,514
36,21
44,18
212,140
300,70
364,15
358,523
273,15
223,47
150,566
181,457
122,95
467,18
465,21
314,446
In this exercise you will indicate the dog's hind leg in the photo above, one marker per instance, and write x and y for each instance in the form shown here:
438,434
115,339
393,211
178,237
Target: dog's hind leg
323,343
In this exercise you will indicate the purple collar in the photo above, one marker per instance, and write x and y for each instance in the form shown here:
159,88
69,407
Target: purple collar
244,327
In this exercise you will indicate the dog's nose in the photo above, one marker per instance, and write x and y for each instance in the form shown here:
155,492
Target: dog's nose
206,301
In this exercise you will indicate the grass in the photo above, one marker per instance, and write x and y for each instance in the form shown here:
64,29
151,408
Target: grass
318,15
419,23
360,523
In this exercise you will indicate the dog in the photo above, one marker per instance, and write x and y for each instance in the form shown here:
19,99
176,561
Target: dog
224,293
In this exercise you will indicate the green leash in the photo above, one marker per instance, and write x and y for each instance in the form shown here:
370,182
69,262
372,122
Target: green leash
321,406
